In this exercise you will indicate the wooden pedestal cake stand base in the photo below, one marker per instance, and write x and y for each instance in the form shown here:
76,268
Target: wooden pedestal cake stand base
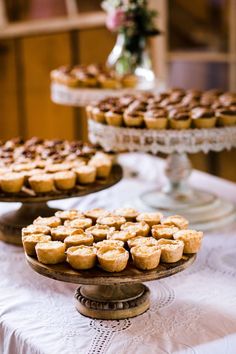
111,296
12,222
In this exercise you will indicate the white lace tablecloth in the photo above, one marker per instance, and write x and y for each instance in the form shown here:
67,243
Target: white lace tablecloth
191,312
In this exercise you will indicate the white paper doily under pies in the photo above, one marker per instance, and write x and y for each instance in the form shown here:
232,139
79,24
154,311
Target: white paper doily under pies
203,209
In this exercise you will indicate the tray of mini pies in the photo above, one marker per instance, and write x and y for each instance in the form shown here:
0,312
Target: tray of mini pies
39,170
99,243
175,109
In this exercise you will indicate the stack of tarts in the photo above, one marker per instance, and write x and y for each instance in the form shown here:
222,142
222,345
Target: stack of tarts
36,166
92,76
110,240
173,109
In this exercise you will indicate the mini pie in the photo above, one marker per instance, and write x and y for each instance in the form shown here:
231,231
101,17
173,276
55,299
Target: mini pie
79,237
36,229
171,250
59,233
51,252
57,167
65,180
175,220
12,182
112,221
152,218
86,174
80,223
112,259
123,235
141,228
42,183
164,231
51,221
96,213
114,117
103,166
69,214
133,118
99,232
142,241
192,240
30,241
81,257
146,257
113,243
129,214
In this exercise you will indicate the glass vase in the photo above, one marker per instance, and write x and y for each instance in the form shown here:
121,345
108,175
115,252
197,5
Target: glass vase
131,55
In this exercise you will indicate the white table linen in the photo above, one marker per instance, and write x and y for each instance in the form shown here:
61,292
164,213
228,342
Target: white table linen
191,312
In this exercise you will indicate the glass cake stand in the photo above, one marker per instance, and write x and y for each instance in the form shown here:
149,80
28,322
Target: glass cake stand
204,210
31,207
111,296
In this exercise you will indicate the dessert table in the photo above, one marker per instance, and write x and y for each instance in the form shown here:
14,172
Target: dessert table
191,312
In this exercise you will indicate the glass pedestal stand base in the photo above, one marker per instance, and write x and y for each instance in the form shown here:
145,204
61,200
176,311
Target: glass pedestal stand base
204,210
12,222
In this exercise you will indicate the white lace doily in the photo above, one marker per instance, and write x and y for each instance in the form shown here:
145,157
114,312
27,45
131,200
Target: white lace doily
79,97
166,141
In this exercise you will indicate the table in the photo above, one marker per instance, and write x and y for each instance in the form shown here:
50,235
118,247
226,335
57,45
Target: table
191,312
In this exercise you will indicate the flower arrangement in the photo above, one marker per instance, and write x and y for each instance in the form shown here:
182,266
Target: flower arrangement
134,22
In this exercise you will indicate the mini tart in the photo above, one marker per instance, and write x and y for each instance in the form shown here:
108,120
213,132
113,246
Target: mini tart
36,229
96,213
98,115
99,232
30,241
114,118
140,228
42,183
112,259
51,252
129,80
24,167
86,174
123,235
89,110
65,180
156,119
203,118
226,116
12,182
103,166
115,221
142,241
133,119
180,120
59,233
146,257
81,257
175,220
79,238
108,82
164,231
152,218
113,243
57,167
129,214
69,214
171,250
81,223
51,221
192,240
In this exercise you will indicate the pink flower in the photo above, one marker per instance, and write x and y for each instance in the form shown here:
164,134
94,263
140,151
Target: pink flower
115,19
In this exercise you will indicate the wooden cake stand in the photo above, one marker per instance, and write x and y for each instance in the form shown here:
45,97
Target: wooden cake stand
12,222
110,296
